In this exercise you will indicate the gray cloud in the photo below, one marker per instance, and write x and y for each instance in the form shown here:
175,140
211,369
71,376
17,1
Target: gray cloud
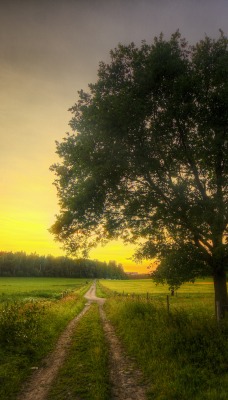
53,38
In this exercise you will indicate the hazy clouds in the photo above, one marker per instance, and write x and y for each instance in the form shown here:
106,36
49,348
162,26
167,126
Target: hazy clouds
58,39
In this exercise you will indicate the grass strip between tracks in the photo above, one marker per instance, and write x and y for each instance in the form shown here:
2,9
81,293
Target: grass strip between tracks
85,372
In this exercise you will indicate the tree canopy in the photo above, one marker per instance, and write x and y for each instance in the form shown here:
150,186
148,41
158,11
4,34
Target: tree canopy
148,159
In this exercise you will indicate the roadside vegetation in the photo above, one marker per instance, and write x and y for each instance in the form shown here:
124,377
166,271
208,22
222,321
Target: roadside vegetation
183,353
194,297
85,372
30,327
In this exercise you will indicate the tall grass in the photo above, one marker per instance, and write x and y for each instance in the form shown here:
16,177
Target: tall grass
28,332
183,356
85,372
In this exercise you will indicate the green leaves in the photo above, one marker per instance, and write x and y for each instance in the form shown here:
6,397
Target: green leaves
148,158
180,264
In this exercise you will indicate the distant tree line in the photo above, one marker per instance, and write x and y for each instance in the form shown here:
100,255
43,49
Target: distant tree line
34,265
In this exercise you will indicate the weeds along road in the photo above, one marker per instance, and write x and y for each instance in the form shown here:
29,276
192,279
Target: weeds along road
125,379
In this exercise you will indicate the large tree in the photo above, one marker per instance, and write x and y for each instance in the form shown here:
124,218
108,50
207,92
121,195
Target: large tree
148,159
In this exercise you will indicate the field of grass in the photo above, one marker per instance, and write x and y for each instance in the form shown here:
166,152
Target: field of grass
13,289
183,353
140,286
33,315
198,296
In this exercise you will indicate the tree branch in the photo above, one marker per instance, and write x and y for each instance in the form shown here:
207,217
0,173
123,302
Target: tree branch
191,162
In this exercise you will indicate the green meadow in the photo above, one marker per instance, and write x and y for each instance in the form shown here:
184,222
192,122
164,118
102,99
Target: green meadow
13,289
142,286
198,296
182,352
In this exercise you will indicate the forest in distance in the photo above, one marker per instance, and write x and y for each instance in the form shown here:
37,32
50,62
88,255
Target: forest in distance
19,264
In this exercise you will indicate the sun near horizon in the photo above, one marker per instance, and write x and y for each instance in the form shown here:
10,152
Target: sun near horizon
26,217
29,200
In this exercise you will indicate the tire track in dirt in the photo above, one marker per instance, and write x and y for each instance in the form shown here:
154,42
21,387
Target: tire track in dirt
37,387
126,380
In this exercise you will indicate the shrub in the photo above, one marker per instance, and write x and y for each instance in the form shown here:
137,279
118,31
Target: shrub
19,324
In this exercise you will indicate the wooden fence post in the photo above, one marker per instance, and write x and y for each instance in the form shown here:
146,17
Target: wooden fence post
168,305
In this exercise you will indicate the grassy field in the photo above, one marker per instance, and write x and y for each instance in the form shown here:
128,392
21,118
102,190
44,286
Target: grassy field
12,289
194,298
143,286
183,353
34,312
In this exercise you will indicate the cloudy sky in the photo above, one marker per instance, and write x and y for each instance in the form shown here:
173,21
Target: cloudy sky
48,51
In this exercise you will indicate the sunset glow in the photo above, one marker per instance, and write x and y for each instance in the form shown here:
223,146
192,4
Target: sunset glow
49,51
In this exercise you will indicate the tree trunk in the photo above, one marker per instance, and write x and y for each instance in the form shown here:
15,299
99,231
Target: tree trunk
220,287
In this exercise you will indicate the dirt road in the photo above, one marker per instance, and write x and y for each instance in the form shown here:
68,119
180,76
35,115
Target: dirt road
125,379
91,296
41,380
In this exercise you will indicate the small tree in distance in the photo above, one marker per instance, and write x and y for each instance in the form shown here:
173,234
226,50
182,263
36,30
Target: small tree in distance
148,159
180,265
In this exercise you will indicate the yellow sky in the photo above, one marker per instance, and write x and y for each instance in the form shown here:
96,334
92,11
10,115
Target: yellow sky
28,201
48,51
27,196
28,206
27,211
